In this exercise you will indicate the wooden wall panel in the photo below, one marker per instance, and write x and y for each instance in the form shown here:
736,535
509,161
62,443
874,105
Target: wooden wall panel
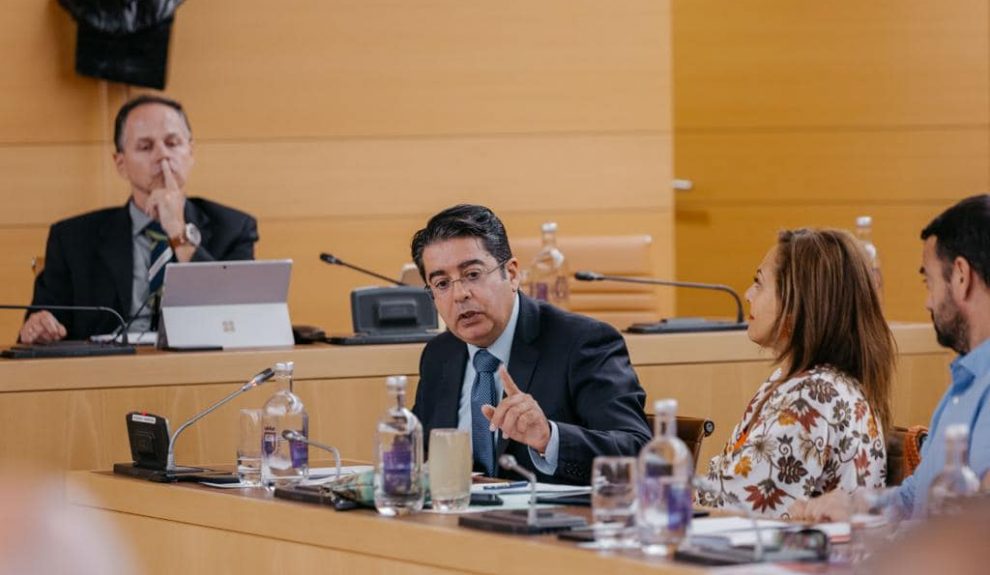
786,63
865,168
311,68
404,176
745,233
792,114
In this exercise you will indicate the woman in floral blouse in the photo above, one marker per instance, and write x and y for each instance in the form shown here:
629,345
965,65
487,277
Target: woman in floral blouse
817,423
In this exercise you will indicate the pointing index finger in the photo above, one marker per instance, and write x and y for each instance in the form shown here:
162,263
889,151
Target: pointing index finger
508,385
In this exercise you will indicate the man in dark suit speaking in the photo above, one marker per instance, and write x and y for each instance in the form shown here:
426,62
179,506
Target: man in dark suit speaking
552,388
115,257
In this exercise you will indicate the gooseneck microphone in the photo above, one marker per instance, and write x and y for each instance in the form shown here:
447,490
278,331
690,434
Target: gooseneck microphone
334,260
255,381
94,308
677,325
509,462
293,435
122,331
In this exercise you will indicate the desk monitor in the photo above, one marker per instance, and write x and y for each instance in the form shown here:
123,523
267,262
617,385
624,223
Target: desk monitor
226,304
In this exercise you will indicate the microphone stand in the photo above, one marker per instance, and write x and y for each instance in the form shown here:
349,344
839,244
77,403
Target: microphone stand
293,435
334,260
255,381
675,325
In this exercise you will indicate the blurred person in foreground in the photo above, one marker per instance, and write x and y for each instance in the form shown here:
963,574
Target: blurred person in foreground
43,534
955,265
817,424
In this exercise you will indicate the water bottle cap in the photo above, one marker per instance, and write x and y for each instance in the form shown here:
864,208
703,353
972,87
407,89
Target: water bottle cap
665,406
864,221
284,367
395,382
549,227
957,432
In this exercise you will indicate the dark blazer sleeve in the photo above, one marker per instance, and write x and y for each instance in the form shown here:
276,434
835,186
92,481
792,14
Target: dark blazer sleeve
53,286
608,402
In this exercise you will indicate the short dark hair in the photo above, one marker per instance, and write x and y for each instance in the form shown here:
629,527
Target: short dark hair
963,231
463,221
142,100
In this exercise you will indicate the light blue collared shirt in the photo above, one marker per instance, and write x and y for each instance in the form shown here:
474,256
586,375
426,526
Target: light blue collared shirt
967,401
502,349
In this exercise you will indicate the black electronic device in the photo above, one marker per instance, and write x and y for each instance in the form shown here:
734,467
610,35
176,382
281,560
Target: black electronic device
529,521
385,315
675,325
150,433
68,348
486,499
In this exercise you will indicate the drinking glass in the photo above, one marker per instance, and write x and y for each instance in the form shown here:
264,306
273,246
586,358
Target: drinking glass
249,447
450,469
613,501
874,520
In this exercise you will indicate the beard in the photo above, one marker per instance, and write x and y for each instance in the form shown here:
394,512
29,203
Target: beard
951,329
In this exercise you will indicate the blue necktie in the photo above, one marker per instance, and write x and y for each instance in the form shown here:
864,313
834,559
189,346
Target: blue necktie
483,392
161,254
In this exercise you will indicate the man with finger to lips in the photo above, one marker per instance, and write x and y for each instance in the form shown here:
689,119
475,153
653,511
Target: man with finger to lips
111,257
552,388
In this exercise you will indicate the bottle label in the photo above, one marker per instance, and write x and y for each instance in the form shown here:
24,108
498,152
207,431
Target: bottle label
397,468
269,441
541,291
300,453
660,490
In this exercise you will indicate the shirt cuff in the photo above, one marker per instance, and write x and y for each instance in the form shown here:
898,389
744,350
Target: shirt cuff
547,464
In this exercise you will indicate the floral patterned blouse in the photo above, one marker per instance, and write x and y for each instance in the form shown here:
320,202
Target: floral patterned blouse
815,433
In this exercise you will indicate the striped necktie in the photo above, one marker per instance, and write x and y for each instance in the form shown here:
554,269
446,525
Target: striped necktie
161,255
483,392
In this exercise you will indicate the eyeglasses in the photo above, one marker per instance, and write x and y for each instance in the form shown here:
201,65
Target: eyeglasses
469,279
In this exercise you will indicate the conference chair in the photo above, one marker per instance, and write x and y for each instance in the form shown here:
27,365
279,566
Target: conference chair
619,304
904,452
691,430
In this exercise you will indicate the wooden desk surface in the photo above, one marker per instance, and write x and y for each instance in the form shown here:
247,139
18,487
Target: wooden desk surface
69,413
184,528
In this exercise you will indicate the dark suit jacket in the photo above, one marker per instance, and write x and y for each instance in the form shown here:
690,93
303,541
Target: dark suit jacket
89,260
576,368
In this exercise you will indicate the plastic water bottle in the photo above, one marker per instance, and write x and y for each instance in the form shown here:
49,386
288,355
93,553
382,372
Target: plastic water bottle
864,233
284,462
548,276
956,483
398,455
665,472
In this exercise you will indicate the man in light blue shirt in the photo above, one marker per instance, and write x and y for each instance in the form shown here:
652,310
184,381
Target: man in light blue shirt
956,268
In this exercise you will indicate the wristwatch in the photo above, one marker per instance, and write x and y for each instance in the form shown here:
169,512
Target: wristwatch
190,235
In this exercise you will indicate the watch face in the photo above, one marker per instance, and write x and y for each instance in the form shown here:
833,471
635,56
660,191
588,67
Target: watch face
192,234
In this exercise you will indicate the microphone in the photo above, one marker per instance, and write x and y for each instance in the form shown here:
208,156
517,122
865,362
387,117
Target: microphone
255,381
293,435
334,260
122,332
509,462
98,308
675,325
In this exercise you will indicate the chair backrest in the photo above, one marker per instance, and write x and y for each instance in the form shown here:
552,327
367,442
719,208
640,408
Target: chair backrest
37,265
904,451
691,430
619,304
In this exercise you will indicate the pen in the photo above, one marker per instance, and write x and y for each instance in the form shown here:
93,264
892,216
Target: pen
501,486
